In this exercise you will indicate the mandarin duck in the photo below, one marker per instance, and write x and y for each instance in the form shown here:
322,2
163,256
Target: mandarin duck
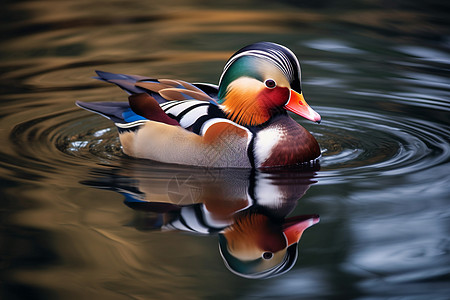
242,122
245,208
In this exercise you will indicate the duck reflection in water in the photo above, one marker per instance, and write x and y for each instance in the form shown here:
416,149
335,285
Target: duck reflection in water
247,209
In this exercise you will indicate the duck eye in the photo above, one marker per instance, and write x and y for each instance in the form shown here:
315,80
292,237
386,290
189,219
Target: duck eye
270,83
267,255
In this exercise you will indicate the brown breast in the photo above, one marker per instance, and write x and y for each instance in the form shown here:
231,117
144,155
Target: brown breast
284,142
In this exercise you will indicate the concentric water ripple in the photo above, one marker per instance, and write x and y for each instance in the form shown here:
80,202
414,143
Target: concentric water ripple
355,144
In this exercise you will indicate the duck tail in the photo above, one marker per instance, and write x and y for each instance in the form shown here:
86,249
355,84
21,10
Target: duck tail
125,82
134,84
113,111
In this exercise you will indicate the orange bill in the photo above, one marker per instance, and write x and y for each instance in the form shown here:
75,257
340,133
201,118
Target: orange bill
298,105
294,227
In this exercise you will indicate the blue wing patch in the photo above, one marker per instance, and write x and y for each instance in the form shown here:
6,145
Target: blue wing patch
130,116
132,198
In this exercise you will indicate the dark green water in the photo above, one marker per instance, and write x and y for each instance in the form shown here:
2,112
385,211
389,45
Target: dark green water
376,71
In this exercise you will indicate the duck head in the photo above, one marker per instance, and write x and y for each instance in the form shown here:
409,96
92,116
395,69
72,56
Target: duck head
257,247
260,81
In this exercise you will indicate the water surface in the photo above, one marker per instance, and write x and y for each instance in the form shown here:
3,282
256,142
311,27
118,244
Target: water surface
377,74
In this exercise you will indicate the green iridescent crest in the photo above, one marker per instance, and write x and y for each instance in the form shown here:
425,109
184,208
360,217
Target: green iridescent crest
245,66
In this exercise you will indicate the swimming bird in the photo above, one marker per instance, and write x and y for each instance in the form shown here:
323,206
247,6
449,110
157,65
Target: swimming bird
246,209
240,123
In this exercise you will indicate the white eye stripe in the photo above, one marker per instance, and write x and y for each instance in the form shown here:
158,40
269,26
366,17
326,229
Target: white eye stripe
283,58
276,57
284,61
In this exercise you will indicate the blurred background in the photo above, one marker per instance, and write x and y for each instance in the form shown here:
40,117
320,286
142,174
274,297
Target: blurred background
377,72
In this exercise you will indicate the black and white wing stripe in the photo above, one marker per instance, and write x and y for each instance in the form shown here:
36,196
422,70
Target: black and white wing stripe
196,219
192,113
186,112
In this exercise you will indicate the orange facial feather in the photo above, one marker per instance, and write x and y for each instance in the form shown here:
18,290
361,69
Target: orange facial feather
253,233
240,103
249,102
